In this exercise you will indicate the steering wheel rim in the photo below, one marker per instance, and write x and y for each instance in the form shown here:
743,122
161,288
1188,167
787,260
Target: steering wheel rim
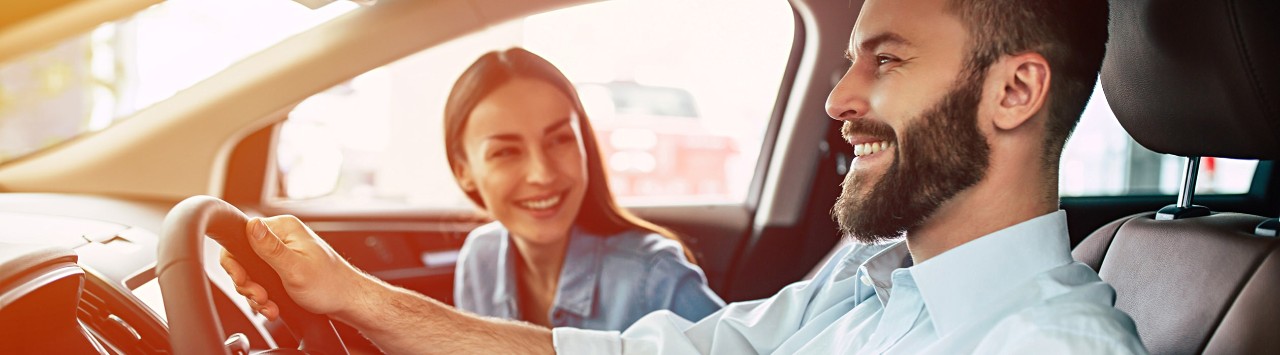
195,328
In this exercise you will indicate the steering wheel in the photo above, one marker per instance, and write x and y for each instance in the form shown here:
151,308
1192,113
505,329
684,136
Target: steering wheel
193,324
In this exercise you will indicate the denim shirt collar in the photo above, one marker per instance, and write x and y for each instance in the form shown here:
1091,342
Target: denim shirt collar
579,276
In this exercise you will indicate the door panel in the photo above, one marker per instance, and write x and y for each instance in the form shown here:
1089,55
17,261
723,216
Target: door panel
415,255
418,254
713,233
778,255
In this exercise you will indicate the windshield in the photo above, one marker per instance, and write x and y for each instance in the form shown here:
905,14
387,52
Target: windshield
89,82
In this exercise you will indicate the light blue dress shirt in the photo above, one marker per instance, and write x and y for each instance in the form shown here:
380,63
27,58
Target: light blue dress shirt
606,282
1015,291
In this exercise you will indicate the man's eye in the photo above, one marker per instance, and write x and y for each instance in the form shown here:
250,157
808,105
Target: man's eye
884,59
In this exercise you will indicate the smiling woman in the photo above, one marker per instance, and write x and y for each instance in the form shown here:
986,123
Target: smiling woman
89,82
561,251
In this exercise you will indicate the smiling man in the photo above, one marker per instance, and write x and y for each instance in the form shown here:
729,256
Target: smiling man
958,111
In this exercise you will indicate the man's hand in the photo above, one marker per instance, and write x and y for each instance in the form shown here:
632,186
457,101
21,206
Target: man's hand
397,320
314,275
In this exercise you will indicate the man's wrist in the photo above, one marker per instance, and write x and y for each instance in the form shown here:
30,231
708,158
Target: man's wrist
377,306
367,296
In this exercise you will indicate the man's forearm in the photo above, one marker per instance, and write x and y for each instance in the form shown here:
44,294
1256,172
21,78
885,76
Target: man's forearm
400,321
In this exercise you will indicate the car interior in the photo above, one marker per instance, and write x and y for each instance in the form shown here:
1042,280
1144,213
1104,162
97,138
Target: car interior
103,246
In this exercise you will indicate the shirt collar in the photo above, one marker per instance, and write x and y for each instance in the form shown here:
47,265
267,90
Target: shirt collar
576,290
579,276
877,270
504,293
966,282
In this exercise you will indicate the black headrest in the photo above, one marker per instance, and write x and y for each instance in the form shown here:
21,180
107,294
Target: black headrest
1197,77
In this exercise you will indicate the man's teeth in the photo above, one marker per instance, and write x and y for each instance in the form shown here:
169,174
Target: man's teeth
541,204
870,148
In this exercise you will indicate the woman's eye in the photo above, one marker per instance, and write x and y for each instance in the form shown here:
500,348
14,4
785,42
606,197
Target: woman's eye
564,138
504,152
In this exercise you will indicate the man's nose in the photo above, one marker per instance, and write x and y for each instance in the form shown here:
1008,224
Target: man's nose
848,99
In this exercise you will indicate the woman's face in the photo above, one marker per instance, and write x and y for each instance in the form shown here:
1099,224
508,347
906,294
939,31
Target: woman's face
525,158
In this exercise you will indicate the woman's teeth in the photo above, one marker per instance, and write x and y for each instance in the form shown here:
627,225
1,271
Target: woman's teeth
870,148
541,204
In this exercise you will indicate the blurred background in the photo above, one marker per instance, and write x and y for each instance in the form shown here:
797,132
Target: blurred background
679,122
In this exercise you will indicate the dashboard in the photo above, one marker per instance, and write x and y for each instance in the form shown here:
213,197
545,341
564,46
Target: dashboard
77,275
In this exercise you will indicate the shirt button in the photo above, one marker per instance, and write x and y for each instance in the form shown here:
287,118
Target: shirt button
866,280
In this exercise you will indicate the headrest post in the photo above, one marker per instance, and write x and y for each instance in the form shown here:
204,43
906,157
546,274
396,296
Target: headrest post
1267,228
1183,208
1189,176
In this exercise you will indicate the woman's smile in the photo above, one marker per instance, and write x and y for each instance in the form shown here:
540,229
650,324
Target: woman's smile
542,206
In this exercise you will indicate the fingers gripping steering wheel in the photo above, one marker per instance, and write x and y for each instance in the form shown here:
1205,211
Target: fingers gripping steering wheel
194,327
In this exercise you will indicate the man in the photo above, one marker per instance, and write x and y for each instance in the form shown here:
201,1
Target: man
958,111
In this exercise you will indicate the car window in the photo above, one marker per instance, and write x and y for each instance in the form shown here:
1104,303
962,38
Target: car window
1101,159
679,92
632,99
88,82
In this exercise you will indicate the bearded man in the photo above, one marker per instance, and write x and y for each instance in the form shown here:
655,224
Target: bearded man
958,111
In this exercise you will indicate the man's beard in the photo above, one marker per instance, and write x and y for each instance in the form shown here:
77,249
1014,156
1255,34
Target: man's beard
940,154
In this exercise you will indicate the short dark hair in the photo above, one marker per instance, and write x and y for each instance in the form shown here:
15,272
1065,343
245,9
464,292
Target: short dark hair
1070,34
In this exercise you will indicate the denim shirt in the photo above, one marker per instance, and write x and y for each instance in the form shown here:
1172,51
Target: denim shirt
606,283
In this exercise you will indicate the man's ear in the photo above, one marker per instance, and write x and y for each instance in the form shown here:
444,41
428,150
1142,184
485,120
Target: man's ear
1023,89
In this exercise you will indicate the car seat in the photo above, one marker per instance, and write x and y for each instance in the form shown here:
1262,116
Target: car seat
1194,79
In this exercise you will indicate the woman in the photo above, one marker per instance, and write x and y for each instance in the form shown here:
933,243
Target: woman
562,252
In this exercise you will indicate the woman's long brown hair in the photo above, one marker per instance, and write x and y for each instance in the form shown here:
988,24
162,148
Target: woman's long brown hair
599,213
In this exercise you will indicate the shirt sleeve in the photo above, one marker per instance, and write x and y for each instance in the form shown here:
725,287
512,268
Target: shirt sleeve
1077,328
1059,341
581,341
740,328
660,332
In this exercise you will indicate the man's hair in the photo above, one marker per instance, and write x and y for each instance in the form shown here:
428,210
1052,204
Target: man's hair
1070,34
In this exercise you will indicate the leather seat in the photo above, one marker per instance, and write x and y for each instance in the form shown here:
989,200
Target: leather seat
1195,78
1204,284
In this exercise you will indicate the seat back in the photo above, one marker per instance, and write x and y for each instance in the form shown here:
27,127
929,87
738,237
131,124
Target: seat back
1204,284
1194,78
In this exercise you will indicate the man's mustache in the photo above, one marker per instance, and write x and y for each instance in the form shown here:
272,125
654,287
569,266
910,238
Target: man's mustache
867,127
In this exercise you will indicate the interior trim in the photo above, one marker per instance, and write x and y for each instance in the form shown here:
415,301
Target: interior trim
804,125
207,119
372,226
29,26
785,88
41,278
